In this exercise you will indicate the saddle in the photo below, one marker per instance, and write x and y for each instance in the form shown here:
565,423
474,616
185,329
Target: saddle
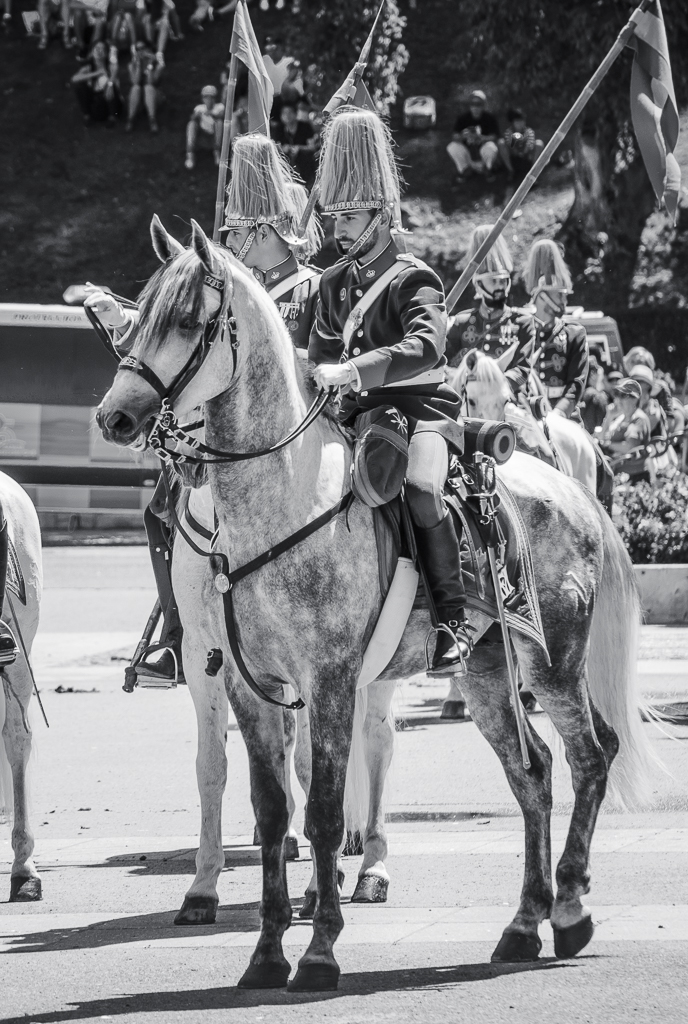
508,534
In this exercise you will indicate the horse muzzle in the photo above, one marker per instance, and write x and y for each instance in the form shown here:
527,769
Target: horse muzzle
122,425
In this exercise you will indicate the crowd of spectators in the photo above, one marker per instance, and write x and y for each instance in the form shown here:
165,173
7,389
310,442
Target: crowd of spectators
478,147
637,415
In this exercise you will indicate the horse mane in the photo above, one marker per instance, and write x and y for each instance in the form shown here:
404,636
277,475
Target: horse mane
481,368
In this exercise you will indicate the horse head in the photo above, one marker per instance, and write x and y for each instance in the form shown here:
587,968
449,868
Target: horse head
483,385
181,340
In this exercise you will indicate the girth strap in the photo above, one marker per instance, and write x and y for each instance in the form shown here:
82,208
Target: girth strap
226,580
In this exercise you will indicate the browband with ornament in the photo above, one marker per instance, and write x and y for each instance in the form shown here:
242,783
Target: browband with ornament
356,204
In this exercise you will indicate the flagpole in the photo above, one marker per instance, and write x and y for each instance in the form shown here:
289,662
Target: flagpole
359,68
544,158
224,153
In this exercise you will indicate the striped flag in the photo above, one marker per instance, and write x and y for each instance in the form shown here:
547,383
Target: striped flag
260,90
653,105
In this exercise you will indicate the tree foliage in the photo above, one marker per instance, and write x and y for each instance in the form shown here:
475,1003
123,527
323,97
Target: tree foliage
328,36
541,53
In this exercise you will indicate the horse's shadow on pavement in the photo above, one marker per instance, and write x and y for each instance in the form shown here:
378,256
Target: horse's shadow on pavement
351,984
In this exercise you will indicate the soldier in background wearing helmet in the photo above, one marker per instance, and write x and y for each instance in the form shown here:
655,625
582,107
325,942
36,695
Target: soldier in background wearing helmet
490,324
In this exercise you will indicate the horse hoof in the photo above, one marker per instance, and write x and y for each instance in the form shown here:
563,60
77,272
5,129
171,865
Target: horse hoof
291,848
266,976
516,947
569,941
454,709
309,901
198,910
25,890
371,889
315,978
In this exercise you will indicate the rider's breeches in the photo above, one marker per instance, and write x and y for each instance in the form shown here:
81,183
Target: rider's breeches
427,473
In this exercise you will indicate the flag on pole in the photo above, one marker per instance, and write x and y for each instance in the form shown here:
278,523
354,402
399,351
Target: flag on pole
653,105
244,45
353,90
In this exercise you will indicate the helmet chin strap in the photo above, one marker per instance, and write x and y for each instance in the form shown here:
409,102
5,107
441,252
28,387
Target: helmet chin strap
488,298
362,239
243,252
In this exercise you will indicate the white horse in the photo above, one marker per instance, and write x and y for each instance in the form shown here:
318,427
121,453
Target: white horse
22,595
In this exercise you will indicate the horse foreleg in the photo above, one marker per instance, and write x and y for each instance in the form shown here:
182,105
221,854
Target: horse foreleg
25,882
454,706
331,719
291,843
378,737
263,730
210,702
487,692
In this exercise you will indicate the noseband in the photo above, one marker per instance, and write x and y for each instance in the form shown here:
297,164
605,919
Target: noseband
218,326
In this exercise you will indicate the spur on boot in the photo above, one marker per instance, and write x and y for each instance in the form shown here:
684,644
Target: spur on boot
453,647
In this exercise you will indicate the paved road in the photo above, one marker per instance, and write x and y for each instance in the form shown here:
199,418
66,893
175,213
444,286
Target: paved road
116,817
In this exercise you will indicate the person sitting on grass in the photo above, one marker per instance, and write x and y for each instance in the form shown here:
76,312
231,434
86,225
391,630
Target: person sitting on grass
145,70
518,147
474,143
97,89
204,129
53,16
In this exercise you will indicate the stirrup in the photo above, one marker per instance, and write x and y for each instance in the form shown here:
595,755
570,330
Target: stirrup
145,674
459,669
9,648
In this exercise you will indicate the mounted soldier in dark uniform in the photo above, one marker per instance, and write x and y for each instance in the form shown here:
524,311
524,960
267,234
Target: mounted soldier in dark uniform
379,334
490,324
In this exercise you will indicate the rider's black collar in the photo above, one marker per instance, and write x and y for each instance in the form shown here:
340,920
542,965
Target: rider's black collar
270,278
548,330
369,272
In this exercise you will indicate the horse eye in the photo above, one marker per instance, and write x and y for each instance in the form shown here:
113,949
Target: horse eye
188,324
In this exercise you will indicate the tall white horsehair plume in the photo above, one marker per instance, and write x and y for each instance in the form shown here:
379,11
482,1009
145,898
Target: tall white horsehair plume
259,191
498,259
546,265
357,167
313,234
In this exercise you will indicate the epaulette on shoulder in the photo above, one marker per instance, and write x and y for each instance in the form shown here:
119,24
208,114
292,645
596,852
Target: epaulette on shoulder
462,316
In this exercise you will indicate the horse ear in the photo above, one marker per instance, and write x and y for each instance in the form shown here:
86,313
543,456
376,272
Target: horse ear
201,245
504,361
471,360
165,246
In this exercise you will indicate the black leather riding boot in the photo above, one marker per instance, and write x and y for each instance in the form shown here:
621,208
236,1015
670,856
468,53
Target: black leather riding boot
439,552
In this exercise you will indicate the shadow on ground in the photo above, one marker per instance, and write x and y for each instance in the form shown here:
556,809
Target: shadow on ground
355,983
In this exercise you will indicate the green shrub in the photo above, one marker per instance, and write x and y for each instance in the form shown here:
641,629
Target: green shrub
653,521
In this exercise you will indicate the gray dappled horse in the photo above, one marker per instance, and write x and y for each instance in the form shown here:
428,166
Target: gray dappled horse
16,738
305,618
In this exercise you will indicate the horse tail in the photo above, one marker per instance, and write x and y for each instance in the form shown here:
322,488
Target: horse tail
612,670
6,794
357,788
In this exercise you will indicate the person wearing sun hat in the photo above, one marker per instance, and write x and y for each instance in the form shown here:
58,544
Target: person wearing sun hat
265,203
627,430
379,334
650,406
490,325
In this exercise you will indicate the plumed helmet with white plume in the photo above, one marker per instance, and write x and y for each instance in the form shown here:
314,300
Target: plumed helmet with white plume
259,192
357,166
546,266
498,259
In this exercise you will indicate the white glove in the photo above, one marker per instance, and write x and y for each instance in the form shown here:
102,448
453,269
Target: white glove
107,308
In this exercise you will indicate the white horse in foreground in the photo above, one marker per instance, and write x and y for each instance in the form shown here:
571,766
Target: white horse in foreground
304,619
17,684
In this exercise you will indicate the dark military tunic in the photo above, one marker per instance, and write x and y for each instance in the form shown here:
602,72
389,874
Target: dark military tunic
398,345
560,359
470,329
298,304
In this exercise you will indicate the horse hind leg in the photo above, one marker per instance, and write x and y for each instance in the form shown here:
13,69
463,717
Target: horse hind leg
25,882
486,689
591,746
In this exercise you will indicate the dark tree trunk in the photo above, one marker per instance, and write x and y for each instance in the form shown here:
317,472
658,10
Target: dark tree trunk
613,199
